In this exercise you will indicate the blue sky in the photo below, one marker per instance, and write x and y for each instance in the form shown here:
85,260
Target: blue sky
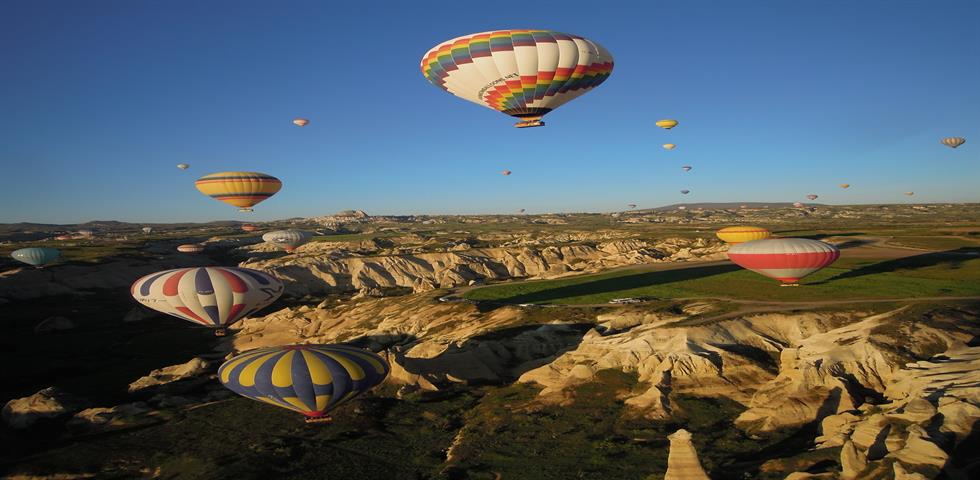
99,100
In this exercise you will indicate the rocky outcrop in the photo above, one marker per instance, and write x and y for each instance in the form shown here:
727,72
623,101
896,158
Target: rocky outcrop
54,324
313,270
110,418
191,370
52,402
682,460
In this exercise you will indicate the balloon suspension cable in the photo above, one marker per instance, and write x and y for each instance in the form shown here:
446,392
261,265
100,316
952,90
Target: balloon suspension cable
322,419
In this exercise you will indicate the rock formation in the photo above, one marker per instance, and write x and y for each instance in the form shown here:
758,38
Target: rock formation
21,413
682,461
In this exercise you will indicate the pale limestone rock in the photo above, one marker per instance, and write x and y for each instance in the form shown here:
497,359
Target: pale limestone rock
852,461
959,417
920,450
192,368
102,419
836,429
902,474
682,460
21,413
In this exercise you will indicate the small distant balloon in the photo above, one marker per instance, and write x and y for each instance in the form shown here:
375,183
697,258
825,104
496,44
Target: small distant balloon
682,207
845,185
147,229
505,173
191,248
300,122
953,142
669,146
36,256
86,233
685,192
632,205
687,168
667,124
249,228
910,193
521,210
183,166
289,240
812,196
797,204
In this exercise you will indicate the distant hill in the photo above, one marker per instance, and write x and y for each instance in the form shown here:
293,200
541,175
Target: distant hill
729,205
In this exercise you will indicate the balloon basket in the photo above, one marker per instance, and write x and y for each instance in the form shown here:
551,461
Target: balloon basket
318,420
220,332
245,210
789,284
529,123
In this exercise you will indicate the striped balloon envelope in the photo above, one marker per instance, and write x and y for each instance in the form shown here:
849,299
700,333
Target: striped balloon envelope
953,142
666,124
309,379
241,189
522,73
734,235
784,259
289,240
36,256
211,296
190,248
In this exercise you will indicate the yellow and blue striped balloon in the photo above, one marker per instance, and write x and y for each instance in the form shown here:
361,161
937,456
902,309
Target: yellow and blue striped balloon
309,379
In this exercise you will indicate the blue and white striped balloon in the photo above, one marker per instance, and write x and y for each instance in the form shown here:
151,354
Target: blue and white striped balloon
36,256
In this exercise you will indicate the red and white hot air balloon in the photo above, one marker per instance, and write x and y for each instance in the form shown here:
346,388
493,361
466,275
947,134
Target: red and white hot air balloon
190,248
505,172
784,259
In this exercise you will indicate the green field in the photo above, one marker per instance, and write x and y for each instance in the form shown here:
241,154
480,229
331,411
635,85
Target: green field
927,275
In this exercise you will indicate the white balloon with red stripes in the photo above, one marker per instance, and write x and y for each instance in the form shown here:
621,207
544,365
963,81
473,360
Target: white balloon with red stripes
211,296
784,259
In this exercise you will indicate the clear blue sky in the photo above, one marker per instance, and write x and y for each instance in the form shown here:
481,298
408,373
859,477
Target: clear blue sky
100,99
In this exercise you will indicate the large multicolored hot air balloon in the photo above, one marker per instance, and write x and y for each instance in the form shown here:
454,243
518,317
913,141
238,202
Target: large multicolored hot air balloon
522,73
845,185
190,248
785,259
241,189
687,168
953,142
309,379
36,256
685,192
733,235
300,122
669,146
211,296
289,240
666,124
505,172
183,166
812,197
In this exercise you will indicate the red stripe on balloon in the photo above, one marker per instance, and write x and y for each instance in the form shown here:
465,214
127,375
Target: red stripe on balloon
784,260
170,286
237,285
236,309
193,316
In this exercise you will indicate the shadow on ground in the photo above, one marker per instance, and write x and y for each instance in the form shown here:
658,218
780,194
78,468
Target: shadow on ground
952,258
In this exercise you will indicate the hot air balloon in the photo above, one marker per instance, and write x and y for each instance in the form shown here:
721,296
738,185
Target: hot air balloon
505,173
211,296
86,233
743,206
183,166
910,193
522,73
249,228
36,256
667,124
733,235
191,248
62,237
812,196
521,211
632,206
953,142
785,259
682,207
797,204
241,189
685,192
147,230
686,168
670,146
845,185
309,379
289,240
300,122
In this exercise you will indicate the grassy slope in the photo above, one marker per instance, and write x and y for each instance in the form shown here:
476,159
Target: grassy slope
927,275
